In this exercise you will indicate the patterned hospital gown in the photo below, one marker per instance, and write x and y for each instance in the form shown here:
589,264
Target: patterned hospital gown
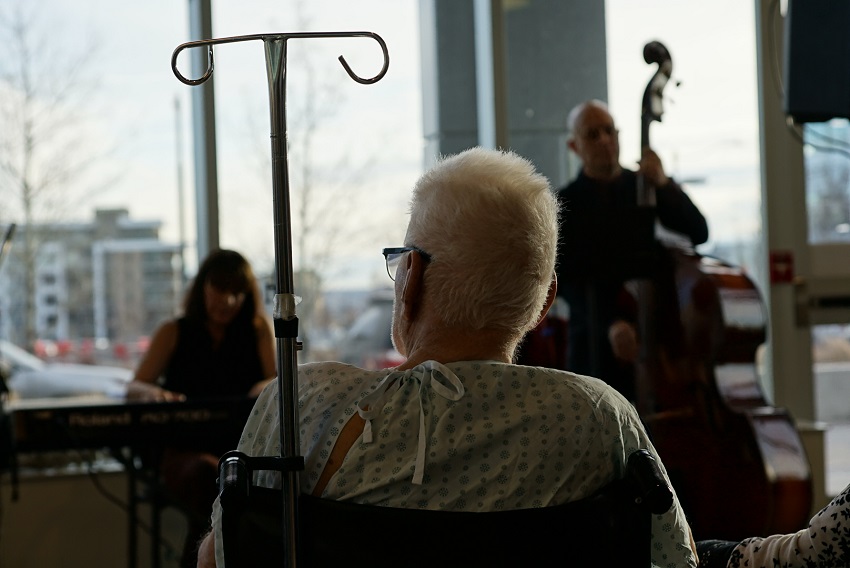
467,436
824,544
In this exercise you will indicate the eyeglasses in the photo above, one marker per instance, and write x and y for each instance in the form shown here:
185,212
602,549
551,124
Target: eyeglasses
594,134
393,257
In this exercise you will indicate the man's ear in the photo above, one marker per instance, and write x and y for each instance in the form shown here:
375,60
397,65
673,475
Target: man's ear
411,292
551,294
571,144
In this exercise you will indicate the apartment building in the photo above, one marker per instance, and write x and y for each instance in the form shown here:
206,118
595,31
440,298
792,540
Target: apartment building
108,279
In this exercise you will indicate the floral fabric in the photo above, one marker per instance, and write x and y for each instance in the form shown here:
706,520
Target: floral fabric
824,544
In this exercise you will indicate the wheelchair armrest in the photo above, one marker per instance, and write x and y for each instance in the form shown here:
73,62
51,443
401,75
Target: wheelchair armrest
235,486
235,473
650,486
234,479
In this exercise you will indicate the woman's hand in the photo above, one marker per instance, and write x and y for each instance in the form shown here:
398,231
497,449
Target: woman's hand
624,343
143,387
139,391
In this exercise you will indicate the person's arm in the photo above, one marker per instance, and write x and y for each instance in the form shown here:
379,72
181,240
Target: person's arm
673,542
817,545
143,387
267,352
675,209
260,437
206,552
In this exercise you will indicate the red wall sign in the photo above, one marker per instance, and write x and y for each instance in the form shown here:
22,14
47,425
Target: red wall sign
781,267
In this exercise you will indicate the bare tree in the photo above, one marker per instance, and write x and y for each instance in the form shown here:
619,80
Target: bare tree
43,145
829,180
323,191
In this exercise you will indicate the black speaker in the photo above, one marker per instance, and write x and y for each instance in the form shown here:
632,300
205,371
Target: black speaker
817,60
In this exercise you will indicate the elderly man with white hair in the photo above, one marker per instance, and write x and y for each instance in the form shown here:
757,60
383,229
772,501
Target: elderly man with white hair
475,273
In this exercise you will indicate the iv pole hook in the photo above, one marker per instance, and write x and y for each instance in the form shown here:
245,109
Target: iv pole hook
277,37
284,316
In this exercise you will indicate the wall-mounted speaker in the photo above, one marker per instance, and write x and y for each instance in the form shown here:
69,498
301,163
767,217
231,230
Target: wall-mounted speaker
817,60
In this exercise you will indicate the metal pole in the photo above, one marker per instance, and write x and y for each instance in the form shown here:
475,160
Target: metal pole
491,96
181,225
203,129
285,319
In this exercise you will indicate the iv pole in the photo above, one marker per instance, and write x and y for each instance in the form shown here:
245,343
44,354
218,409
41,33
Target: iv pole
284,316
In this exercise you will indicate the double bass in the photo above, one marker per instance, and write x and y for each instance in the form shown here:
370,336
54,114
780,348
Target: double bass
737,463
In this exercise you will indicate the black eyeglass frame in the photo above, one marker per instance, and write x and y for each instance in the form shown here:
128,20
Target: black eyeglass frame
398,251
594,134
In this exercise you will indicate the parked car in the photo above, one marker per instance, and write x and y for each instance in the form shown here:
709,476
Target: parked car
368,342
30,377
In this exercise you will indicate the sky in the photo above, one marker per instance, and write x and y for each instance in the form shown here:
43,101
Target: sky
367,146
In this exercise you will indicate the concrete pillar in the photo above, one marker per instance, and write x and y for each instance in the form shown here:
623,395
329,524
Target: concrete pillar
785,232
788,380
203,133
554,57
448,77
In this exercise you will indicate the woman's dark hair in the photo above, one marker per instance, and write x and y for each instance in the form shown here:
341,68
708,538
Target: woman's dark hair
229,271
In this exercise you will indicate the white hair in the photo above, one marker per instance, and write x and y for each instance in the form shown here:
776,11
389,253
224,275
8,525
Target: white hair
490,223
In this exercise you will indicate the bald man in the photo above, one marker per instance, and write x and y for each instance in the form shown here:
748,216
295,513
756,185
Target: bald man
602,317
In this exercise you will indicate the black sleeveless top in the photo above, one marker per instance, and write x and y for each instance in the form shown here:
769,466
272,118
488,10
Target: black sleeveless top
199,371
